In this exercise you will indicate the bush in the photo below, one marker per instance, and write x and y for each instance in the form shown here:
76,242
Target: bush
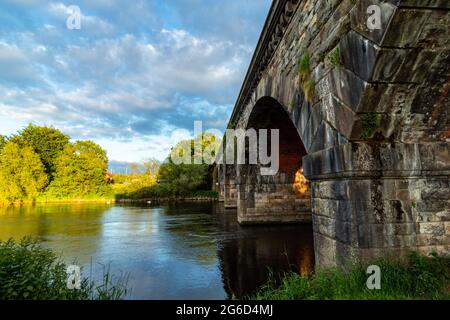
30,272
419,278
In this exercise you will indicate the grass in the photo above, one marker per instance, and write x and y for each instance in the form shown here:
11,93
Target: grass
30,272
419,277
107,198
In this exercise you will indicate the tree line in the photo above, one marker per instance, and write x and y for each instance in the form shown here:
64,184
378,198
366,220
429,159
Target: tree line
169,178
41,162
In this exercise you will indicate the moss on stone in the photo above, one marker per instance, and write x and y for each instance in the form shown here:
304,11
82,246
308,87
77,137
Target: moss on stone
303,65
334,57
370,121
306,84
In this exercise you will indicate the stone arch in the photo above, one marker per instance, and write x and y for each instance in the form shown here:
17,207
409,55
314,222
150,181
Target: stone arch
283,197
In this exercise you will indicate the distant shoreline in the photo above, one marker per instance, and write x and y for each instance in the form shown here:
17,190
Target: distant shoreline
166,199
108,201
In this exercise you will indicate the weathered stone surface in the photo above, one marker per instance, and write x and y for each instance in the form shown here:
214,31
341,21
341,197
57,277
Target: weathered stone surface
373,128
359,16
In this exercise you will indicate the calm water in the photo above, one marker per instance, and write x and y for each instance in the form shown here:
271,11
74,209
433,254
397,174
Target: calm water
172,251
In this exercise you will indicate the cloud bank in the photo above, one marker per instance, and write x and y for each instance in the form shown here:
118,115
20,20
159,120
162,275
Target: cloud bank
132,75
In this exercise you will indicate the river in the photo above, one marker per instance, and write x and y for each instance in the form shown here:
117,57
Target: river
169,251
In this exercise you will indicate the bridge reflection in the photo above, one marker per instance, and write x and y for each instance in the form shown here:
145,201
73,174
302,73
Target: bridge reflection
249,254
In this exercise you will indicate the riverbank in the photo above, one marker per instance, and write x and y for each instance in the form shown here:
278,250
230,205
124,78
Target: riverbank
166,199
148,194
58,201
419,277
198,196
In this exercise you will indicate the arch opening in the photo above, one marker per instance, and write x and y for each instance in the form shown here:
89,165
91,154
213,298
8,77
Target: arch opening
285,196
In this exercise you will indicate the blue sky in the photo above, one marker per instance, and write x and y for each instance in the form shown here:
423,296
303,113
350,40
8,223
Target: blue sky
134,77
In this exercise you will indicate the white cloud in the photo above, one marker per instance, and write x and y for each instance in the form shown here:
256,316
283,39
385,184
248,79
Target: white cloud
90,24
14,64
126,75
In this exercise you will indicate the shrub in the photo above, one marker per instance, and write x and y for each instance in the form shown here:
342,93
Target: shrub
30,272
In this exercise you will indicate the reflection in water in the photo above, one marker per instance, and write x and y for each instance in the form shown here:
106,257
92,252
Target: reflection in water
171,251
249,254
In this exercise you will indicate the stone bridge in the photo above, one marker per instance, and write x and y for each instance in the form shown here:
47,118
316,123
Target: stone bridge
363,116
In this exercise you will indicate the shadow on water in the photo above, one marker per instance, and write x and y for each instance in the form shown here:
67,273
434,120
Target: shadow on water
249,254
183,250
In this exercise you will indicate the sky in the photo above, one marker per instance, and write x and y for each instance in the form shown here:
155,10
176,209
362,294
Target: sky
134,77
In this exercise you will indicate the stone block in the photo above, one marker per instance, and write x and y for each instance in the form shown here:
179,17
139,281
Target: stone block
359,55
340,80
338,115
433,228
359,16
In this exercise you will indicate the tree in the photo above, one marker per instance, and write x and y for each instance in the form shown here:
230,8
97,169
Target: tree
180,179
80,171
151,167
2,141
188,150
22,174
47,142
134,168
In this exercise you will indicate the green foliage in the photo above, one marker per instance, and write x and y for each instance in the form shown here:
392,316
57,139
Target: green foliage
303,66
419,278
174,180
30,272
151,167
2,141
164,191
181,179
22,174
80,171
47,142
306,84
197,150
143,178
370,121
334,57
125,184
40,157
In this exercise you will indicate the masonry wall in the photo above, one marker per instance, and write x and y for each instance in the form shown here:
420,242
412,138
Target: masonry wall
271,199
377,128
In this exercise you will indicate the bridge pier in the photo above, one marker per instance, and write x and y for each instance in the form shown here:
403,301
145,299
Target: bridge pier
374,199
271,199
230,190
220,188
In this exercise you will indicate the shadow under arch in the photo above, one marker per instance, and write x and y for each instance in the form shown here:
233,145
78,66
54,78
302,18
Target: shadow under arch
269,114
283,197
